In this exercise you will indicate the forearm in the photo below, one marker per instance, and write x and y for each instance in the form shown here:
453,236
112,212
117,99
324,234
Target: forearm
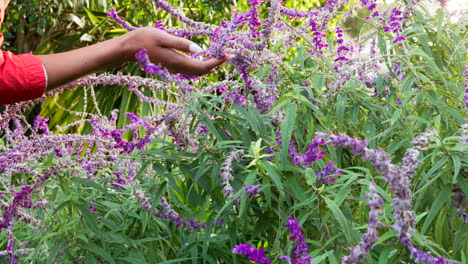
67,66
161,47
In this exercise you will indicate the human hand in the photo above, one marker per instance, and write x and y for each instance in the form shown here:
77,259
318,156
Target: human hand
163,48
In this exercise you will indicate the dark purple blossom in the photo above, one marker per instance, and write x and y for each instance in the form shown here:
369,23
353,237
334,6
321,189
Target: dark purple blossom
398,39
300,254
322,176
312,154
251,190
371,7
253,254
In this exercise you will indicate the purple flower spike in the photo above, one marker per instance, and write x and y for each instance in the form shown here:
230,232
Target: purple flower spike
326,171
153,69
360,252
310,156
253,254
398,39
113,14
301,248
372,6
251,190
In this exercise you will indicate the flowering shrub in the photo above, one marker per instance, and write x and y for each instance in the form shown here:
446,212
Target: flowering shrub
361,140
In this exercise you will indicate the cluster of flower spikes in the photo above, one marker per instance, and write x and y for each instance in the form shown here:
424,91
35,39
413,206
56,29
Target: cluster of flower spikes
308,158
398,178
24,153
392,25
251,51
465,84
83,155
11,112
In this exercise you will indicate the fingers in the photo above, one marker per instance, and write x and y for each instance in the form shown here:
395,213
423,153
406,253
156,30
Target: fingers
181,44
181,63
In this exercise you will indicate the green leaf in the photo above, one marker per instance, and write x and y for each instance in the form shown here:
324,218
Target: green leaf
286,131
442,198
340,110
99,251
339,216
273,174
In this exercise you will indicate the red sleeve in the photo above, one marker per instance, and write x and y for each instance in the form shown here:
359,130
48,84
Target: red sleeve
22,78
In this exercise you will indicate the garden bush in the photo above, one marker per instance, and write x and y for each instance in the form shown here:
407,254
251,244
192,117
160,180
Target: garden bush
308,146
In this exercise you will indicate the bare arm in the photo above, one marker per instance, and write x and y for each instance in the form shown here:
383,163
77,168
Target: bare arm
68,66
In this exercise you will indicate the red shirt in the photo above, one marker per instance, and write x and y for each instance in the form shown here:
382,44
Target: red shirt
22,77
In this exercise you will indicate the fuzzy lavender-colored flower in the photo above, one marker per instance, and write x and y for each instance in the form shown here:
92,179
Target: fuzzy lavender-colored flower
359,252
153,69
113,14
251,190
236,96
40,123
318,38
308,158
265,96
253,254
300,254
399,39
226,172
223,34
294,13
322,176
465,81
254,20
167,212
163,4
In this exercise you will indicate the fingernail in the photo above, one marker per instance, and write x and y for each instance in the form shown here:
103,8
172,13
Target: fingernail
195,48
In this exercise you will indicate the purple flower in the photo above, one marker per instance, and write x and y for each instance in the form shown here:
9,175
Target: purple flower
202,130
270,151
359,252
144,61
226,172
167,212
300,254
399,183
312,154
253,254
372,6
326,171
251,190
113,14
